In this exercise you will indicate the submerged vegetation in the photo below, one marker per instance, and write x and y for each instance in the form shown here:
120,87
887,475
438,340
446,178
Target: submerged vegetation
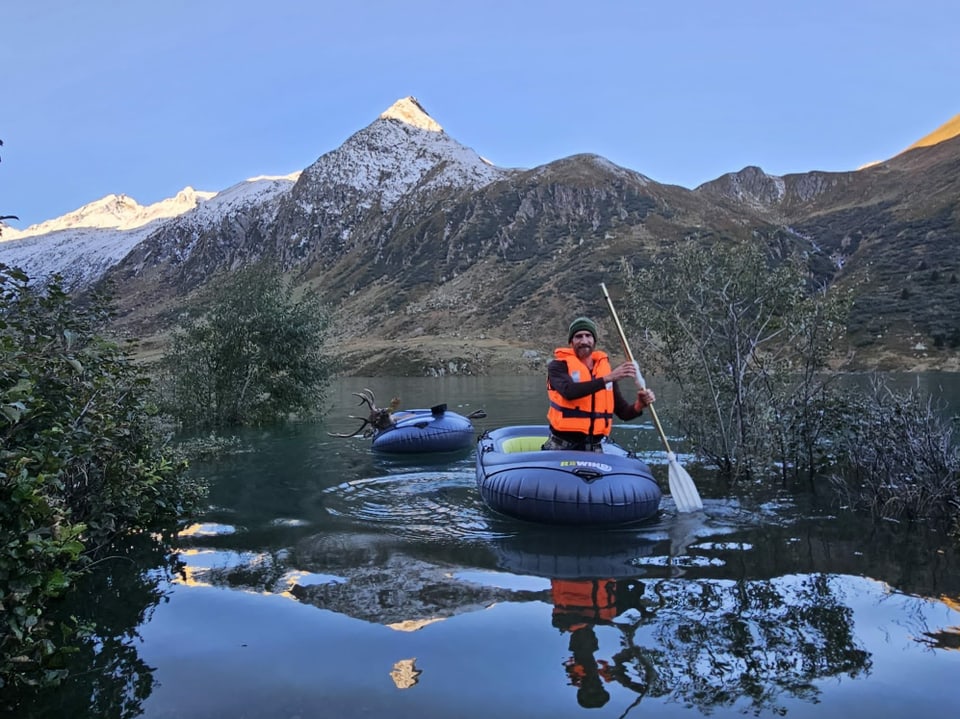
86,464
747,340
901,460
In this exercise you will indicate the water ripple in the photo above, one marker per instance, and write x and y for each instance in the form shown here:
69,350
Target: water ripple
432,505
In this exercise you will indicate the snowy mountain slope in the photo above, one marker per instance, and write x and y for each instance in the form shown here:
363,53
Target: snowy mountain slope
82,245
117,212
403,151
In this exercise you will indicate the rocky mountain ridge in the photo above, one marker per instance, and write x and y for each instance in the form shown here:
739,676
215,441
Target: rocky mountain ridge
437,261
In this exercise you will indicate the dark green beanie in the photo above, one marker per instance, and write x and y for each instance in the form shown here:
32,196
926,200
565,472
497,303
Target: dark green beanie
582,323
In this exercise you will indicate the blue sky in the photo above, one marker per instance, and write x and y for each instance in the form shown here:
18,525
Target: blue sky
145,98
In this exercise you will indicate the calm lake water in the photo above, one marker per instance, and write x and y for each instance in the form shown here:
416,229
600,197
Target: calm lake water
325,581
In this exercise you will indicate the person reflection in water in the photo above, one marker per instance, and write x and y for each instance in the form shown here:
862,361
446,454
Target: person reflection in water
586,673
578,606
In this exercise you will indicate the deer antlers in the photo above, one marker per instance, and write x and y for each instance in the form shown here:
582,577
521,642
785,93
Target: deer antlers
379,418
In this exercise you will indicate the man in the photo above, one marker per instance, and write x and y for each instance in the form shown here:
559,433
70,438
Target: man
583,392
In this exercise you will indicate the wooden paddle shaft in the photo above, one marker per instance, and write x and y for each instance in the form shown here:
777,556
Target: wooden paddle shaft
626,349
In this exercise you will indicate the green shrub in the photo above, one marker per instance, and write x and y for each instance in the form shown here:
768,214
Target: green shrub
249,352
82,461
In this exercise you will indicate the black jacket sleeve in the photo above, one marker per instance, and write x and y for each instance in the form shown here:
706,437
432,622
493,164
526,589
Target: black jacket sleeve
559,378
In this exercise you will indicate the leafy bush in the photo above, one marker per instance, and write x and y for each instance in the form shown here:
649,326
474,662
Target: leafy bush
249,352
82,461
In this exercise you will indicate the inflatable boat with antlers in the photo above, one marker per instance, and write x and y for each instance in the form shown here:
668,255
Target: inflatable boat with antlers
414,431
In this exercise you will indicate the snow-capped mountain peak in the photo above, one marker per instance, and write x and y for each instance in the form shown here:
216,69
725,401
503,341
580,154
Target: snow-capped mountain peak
118,212
410,111
404,150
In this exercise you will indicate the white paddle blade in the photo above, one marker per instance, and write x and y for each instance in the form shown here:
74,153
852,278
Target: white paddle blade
682,488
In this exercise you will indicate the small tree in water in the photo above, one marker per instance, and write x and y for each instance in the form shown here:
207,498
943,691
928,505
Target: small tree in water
745,339
249,353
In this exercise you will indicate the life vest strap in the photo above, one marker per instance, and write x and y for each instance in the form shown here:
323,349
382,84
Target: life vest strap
580,413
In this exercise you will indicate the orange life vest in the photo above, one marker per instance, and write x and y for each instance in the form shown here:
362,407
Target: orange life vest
589,600
592,414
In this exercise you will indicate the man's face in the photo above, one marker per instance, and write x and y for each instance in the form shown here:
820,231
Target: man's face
582,343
